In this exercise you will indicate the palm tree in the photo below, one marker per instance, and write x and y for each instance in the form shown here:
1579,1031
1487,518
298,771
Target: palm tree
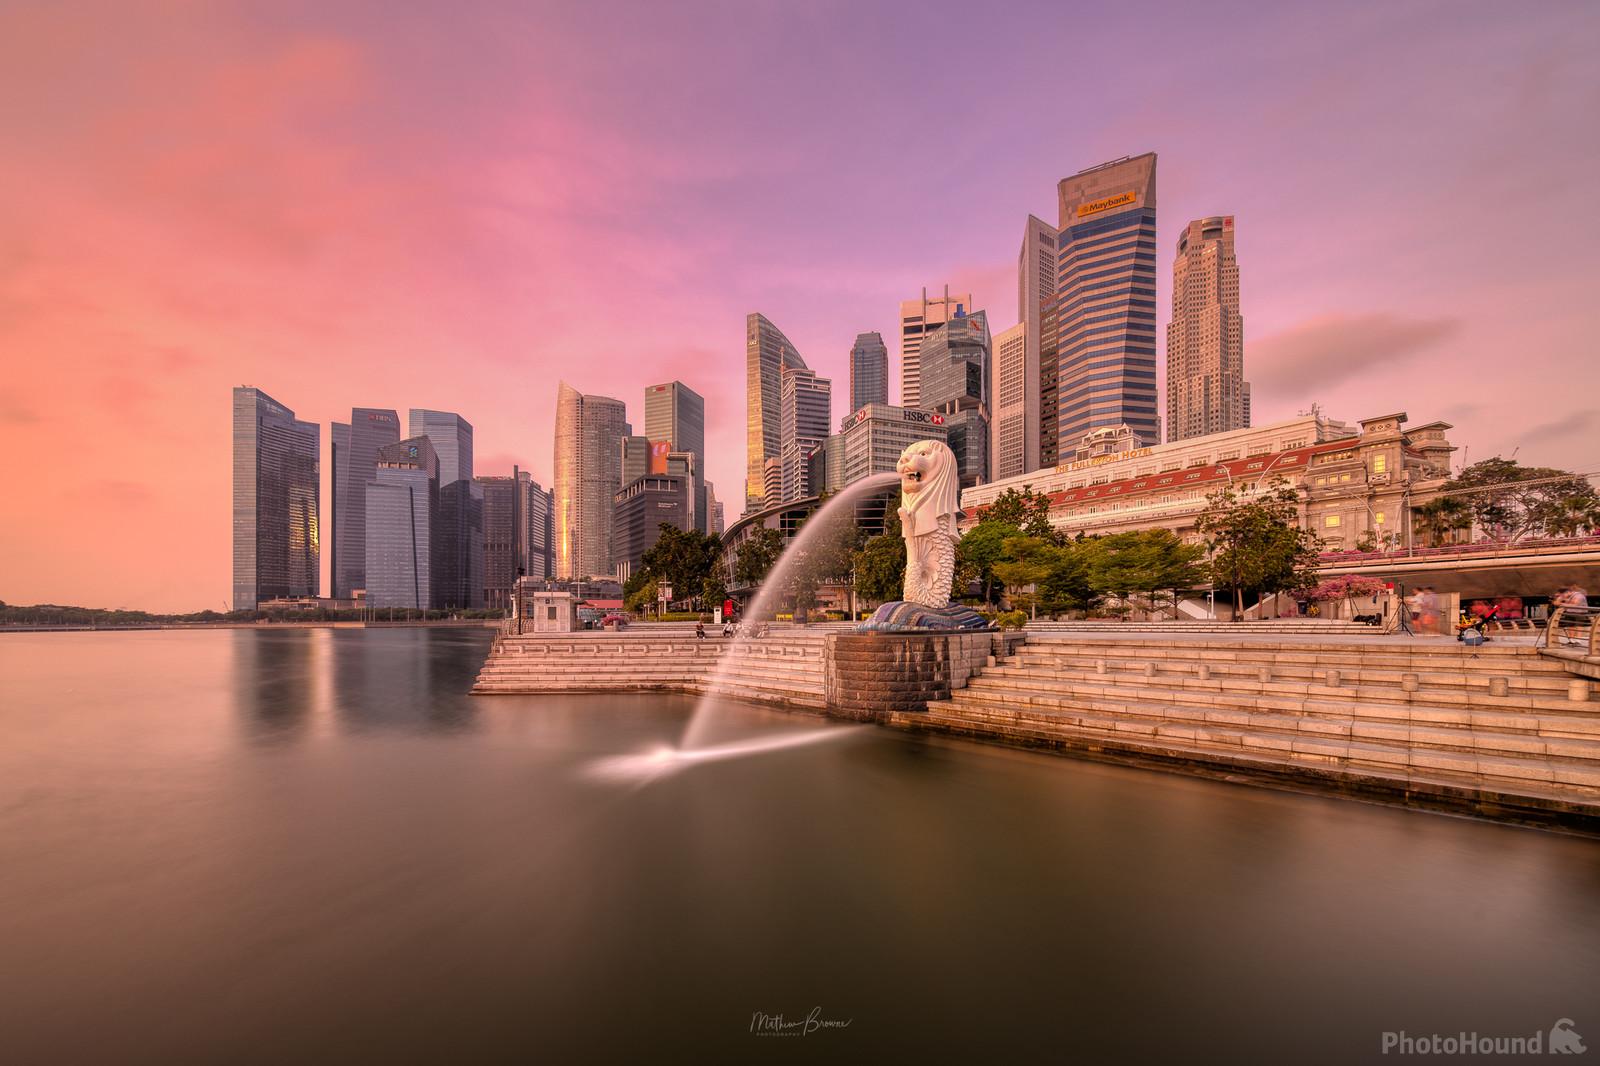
1439,516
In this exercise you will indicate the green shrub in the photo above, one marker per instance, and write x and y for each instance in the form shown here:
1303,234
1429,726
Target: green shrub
1011,619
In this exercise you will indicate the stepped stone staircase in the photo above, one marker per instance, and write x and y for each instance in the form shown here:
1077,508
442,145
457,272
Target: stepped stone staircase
783,667
1298,626
1495,730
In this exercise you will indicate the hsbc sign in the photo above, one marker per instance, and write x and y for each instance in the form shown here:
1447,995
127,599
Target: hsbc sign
927,418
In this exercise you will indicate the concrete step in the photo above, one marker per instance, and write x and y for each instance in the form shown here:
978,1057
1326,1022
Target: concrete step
1499,770
1376,685
1529,739
1267,757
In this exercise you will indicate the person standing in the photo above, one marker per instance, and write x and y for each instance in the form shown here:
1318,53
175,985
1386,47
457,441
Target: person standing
1427,609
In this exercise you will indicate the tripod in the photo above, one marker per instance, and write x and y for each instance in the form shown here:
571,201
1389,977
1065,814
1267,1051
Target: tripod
1402,612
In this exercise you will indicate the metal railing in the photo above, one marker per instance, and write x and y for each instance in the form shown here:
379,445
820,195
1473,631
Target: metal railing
1574,625
1481,547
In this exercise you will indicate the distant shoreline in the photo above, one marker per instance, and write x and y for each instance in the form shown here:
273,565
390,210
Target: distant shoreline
464,623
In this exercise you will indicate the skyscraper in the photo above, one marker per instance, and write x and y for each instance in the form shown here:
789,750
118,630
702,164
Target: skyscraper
633,453
806,409
641,508
276,494
516,512
955,383
588,472
451,436
869,371
1010,437
355,459
677,414
917,317
1036,310
873,437
1206,391
1106,302
402,512
767,352
459,580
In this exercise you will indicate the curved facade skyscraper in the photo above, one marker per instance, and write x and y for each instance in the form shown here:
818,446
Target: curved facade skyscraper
588,464
1106,302
767,352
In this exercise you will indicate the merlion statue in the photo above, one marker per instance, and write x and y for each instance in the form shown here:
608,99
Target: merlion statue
930,492
930,496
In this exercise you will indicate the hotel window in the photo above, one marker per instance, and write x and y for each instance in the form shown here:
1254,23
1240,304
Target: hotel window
1380,463
1331,521
1377,519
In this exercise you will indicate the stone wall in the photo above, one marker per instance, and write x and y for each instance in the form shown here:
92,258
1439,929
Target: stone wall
870,675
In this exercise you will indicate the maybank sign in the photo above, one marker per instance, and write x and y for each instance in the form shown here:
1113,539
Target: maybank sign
1122,199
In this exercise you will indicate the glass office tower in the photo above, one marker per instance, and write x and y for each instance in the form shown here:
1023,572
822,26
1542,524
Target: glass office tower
276,495
1106,303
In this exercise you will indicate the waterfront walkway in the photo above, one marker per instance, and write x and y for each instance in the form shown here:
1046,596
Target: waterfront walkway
1499,730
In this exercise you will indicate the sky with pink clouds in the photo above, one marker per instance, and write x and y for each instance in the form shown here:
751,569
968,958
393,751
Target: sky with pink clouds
454,206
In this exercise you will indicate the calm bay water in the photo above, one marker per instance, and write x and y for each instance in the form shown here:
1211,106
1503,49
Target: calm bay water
313,846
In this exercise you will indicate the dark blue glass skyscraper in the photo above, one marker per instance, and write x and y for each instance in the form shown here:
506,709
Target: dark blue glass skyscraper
1106,302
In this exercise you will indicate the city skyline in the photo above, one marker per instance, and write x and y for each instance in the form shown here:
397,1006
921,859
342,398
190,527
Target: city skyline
312,286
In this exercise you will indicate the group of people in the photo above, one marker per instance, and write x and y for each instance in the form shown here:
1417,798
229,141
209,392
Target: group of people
729,629
1423,604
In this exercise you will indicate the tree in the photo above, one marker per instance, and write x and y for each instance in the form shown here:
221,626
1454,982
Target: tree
681,558
1146,561
1440,516
642,598
980,550
1023,562
1346,588
880,564
713,590
1518,501
755,556
1258,544
1024,510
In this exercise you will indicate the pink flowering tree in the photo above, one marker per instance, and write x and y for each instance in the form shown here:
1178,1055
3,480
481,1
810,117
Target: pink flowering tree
1345,588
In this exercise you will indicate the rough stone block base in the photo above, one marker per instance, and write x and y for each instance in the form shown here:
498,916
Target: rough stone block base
870,675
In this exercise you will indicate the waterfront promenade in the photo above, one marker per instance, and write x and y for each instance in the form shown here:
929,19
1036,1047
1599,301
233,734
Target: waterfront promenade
1499,731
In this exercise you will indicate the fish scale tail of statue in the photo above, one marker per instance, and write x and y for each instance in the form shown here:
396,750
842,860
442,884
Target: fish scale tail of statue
930,492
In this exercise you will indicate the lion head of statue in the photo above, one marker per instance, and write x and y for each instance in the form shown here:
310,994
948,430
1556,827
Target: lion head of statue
930,489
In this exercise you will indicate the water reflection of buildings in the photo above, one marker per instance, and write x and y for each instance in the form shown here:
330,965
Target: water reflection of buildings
404,678
274,692
294,686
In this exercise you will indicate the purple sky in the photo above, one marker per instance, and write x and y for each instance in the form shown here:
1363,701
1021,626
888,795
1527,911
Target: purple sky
368,204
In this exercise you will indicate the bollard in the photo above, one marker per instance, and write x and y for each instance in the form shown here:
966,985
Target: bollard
1499,686
1578,690
1410,682
1331,679
1203,672
1149,669
1099,666
1265,674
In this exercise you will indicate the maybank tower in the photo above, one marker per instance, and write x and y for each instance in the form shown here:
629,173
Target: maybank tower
1106,303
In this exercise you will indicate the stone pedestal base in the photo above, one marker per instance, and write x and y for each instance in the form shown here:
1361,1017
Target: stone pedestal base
870,675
